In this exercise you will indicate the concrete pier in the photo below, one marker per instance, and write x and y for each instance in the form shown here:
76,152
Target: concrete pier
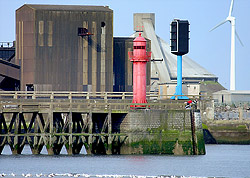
102,123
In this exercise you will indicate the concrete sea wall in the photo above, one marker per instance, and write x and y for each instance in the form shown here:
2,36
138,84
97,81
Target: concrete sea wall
177,132
224,123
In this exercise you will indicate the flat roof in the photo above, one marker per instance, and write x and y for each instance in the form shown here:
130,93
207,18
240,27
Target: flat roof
244,92
67,7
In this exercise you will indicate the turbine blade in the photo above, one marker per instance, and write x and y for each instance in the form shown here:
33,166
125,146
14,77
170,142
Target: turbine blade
218,25
231,8
237,35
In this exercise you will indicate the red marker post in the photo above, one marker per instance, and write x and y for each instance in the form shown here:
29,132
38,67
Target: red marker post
139,57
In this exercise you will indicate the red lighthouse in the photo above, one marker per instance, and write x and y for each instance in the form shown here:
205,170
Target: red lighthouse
139,57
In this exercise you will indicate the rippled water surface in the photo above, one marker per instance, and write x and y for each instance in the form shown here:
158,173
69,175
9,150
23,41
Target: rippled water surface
219,161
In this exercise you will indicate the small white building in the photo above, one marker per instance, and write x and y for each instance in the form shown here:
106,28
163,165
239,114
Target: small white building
188,89
234,96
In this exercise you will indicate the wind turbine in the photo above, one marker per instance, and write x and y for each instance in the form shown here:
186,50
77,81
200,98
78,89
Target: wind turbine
231,19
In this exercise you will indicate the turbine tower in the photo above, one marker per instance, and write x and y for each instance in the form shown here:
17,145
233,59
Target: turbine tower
231,19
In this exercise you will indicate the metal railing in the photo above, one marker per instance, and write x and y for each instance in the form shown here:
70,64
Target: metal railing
85,107
81,95
69,95
81,101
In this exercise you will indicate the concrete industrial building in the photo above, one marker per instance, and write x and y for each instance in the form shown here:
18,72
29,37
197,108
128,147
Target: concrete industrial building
54,56
71,48
166,71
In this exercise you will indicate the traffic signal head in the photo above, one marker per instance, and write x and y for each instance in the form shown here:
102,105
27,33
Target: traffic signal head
179,37
173,36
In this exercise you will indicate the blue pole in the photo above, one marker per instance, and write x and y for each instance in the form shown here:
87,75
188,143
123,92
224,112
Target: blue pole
178,89
179,75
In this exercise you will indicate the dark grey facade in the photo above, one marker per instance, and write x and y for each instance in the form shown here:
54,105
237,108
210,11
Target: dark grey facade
53,57
123,68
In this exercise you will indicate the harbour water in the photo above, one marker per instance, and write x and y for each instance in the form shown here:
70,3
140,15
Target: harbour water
232,161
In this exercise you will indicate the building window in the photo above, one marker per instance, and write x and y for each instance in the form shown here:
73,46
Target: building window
40,35
103,26
139,47
50,33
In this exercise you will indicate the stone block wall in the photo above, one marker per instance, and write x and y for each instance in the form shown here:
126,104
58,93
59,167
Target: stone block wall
162,132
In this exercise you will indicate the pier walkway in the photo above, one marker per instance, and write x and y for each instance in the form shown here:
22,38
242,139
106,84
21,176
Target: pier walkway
101,122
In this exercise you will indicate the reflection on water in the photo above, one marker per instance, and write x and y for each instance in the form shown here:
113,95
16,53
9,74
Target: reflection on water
27,150
220,161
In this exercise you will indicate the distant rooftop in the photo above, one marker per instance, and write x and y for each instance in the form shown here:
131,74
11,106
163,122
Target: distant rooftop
243,92
67,7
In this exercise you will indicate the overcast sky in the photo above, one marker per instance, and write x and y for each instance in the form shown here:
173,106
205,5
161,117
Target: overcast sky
210,49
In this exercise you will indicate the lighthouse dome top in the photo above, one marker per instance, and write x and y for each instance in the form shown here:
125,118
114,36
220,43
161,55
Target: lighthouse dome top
139,39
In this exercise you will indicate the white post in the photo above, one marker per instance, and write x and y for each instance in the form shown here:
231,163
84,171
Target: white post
232,72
